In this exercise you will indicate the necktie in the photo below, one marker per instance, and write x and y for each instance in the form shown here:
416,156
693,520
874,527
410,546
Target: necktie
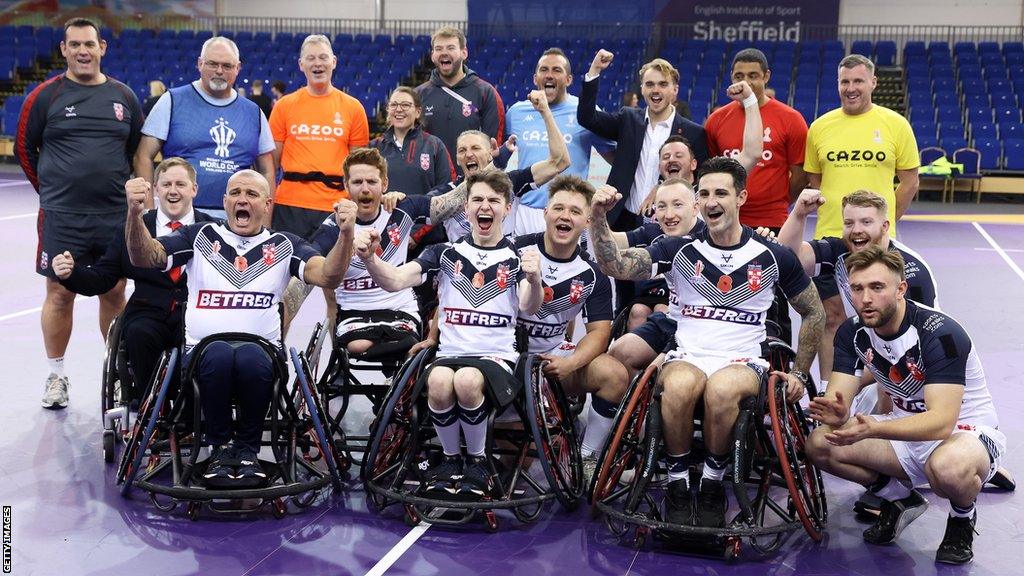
175,273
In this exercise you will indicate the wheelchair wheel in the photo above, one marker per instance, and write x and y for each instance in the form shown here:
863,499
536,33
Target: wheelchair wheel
314,410
392,429
803,480
626,440
131,459
554,433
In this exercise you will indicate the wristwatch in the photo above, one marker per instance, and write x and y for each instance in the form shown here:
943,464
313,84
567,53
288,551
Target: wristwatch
803,377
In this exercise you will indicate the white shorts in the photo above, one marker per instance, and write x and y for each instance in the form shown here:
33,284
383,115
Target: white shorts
563,350
528,220
914,455
865,400
711,363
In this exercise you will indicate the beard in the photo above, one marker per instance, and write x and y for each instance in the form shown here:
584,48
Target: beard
885,315
219,84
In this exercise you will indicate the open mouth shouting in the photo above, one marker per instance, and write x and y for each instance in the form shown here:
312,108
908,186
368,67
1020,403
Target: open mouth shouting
656,100
446,64
243,216
472,165
563,229
673,168
550,89
713,215
485,222
859,242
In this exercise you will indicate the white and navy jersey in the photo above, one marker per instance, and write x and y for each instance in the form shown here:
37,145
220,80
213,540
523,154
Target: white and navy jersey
235,282
830,256
720,294
646,234
358,291
571,285
478,297
458,225
929,348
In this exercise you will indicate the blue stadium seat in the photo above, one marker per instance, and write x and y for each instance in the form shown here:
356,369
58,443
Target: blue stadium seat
991,152
988,47
983,130
1011,130
1013,154
953,142
948,114
943,97
885,53
1007,114
925,128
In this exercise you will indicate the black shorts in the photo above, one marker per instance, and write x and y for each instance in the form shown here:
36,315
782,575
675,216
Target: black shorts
393,332
501,385
651,300
302,222
85,236
658,331
826,285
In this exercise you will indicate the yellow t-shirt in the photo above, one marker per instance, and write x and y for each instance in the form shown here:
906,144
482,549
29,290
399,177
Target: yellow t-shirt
317,133
861,152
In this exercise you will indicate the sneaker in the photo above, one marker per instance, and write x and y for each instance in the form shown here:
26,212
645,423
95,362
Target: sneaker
589,469
711,504
249,465
476,479
895,515
1003,480
868,505
957,542
56,396
218,467
679,504
444,477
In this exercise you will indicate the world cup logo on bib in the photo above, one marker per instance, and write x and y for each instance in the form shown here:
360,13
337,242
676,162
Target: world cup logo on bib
503,276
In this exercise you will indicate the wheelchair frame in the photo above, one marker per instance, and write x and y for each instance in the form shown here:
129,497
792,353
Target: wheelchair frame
401,430
162,432
761,455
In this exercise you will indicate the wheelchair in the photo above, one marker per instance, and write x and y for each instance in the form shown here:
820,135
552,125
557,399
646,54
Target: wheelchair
114,408
339,381
400,448
776,488
162,456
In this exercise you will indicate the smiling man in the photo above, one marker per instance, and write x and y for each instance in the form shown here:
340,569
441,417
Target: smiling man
638,132
206,123
314,130
455,99
76,136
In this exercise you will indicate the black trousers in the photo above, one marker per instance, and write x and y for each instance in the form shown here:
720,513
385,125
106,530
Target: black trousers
146,336
241,372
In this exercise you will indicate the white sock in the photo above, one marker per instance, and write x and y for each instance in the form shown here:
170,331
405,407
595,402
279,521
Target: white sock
446,422
56,366
596,433
474,427
893,490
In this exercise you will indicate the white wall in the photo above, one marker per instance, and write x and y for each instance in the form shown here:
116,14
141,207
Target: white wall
448,10
938,12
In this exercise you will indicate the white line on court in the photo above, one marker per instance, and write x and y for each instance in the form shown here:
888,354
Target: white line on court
1007,250
12,184
395,553
1006,257
31,311
17,216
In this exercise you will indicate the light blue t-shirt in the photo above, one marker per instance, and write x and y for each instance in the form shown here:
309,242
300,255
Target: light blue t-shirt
532,141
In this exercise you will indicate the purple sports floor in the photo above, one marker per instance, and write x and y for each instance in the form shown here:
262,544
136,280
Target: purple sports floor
67,516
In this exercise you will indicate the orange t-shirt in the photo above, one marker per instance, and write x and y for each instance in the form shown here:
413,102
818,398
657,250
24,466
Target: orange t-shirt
785,133
316,133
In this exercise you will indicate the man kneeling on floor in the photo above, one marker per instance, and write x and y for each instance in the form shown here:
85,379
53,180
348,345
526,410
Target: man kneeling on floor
943,428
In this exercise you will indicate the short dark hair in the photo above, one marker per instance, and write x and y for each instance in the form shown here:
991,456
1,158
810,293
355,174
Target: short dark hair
280,85
874,254
676,138
79,22
571,183
367,157
724,165
556,51
496,179
448,32
751,55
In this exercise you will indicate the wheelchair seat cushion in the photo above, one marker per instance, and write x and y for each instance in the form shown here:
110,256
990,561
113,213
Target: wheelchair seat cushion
503,382
392,331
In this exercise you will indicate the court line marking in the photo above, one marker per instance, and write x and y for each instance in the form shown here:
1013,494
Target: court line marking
396,552
12,184
999,249
1007,250
31,310
17,216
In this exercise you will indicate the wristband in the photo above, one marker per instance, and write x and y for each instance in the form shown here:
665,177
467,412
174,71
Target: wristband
750,101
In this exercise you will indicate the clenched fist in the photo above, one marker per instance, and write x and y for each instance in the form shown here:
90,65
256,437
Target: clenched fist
137,191
530,263
366,243
604,200
539,100
345,215
63,264
602,60
808,202
739,91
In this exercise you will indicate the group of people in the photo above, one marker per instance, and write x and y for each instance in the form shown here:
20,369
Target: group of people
670,241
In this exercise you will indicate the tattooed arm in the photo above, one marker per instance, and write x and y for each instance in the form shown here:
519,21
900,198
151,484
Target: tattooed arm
143,250
812,324
447,204
294,295
629,264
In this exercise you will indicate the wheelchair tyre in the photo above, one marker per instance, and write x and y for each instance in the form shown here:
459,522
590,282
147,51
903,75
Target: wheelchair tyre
803,480
131,460
626,440
109,443
313,405
554,433
392,428
111,377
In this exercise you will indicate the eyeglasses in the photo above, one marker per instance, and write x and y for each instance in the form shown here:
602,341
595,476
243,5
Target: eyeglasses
225,66
405,106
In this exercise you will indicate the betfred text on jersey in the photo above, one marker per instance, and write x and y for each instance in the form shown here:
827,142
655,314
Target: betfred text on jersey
723,314
541,330
474,318
365,283
219,299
